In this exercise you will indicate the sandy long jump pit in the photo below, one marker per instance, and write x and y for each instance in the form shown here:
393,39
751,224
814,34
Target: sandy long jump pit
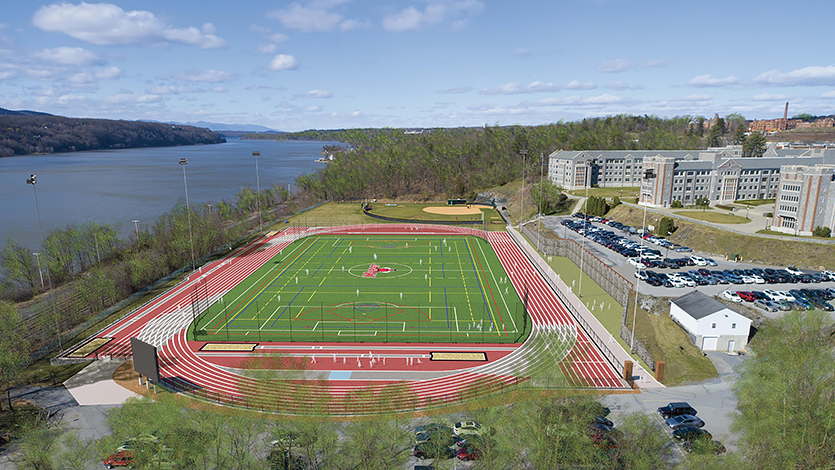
453,210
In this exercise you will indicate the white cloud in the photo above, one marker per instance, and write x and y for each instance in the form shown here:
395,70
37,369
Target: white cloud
656,63
219,89
456,90
107,24
594,101
807,76
277,38
267,48
284,62
614,66
603,99
168,90
211,76
131,98
514,88
323,94
314,18
68,56
769,97
578,85
264,87
619,86
828,94
697,97
7,75
411,18
710,81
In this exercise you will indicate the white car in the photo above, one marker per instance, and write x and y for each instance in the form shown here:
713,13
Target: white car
793,270
829,274
698,260
651,256
758,279
677,282
467,427
732,296
635,262
642,275
688,282
777,296
746,279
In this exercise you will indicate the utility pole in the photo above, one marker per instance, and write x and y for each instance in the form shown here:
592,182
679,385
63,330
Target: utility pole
258,188
524,153
136,226
649,174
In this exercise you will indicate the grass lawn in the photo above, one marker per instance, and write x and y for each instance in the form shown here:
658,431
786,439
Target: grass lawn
606,310
714,217
373,289
350,213
720,242
609,193
668,342
755,202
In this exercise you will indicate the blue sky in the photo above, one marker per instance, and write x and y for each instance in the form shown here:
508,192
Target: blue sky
357,63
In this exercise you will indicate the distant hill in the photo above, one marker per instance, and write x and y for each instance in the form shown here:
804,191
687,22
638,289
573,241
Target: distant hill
217,126
29,132
23,112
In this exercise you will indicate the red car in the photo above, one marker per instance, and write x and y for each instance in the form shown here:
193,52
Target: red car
469,453
746,296
122,459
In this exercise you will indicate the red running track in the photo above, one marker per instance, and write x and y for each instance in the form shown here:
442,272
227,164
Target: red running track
183,366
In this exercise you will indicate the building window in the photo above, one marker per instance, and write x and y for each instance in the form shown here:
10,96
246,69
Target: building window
733,326
713,325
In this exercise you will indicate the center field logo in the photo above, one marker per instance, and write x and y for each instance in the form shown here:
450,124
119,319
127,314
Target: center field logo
374,269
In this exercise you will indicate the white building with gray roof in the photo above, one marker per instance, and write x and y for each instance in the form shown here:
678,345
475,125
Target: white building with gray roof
710,324
721,175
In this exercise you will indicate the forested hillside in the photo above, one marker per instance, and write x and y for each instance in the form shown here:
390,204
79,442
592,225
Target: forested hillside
461,161
43,133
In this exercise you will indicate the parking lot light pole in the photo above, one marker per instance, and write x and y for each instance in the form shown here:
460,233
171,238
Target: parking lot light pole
38,259
524,153
648,175
183,163
136,227
33,179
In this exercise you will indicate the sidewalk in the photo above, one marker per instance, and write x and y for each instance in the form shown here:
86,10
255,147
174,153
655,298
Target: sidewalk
643,378
94,385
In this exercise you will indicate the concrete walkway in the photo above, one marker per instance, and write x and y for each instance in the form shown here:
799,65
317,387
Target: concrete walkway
643,378
94,385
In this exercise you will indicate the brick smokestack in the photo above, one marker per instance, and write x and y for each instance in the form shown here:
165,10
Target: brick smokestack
785,117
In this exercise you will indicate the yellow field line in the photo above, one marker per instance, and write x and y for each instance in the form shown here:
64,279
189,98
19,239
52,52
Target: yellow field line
265,287
311,296
323,280
464,281
489,307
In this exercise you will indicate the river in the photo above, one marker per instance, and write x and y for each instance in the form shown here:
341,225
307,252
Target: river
118,186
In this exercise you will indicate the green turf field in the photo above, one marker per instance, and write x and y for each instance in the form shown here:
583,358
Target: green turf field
326,288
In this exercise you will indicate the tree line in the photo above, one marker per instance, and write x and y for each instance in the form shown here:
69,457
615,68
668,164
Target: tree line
458,162
43,134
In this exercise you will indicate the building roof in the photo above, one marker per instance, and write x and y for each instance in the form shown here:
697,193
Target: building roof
771,162
687,165
698,305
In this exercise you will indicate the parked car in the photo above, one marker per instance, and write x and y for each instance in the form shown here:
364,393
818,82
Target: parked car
433,428
704,446
793,270
732,296
429,450
710,262
635,262
119,459
469,452
690,433
683,421
683,249
676,409
766,305
467,427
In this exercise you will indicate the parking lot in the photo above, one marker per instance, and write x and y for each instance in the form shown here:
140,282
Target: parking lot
621,265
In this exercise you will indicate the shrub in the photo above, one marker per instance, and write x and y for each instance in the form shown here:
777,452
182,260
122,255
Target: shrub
665,226
722,206
769,214
824,232
676,205
615,201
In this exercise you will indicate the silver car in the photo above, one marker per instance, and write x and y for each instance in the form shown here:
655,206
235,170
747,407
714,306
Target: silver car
684,421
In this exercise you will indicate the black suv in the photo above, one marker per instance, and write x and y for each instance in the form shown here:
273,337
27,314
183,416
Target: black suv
676,409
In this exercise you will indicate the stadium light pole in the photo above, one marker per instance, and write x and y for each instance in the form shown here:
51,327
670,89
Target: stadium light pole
33,179
258,188
587,182
136,227
649,174
524,153
183,163
38,259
